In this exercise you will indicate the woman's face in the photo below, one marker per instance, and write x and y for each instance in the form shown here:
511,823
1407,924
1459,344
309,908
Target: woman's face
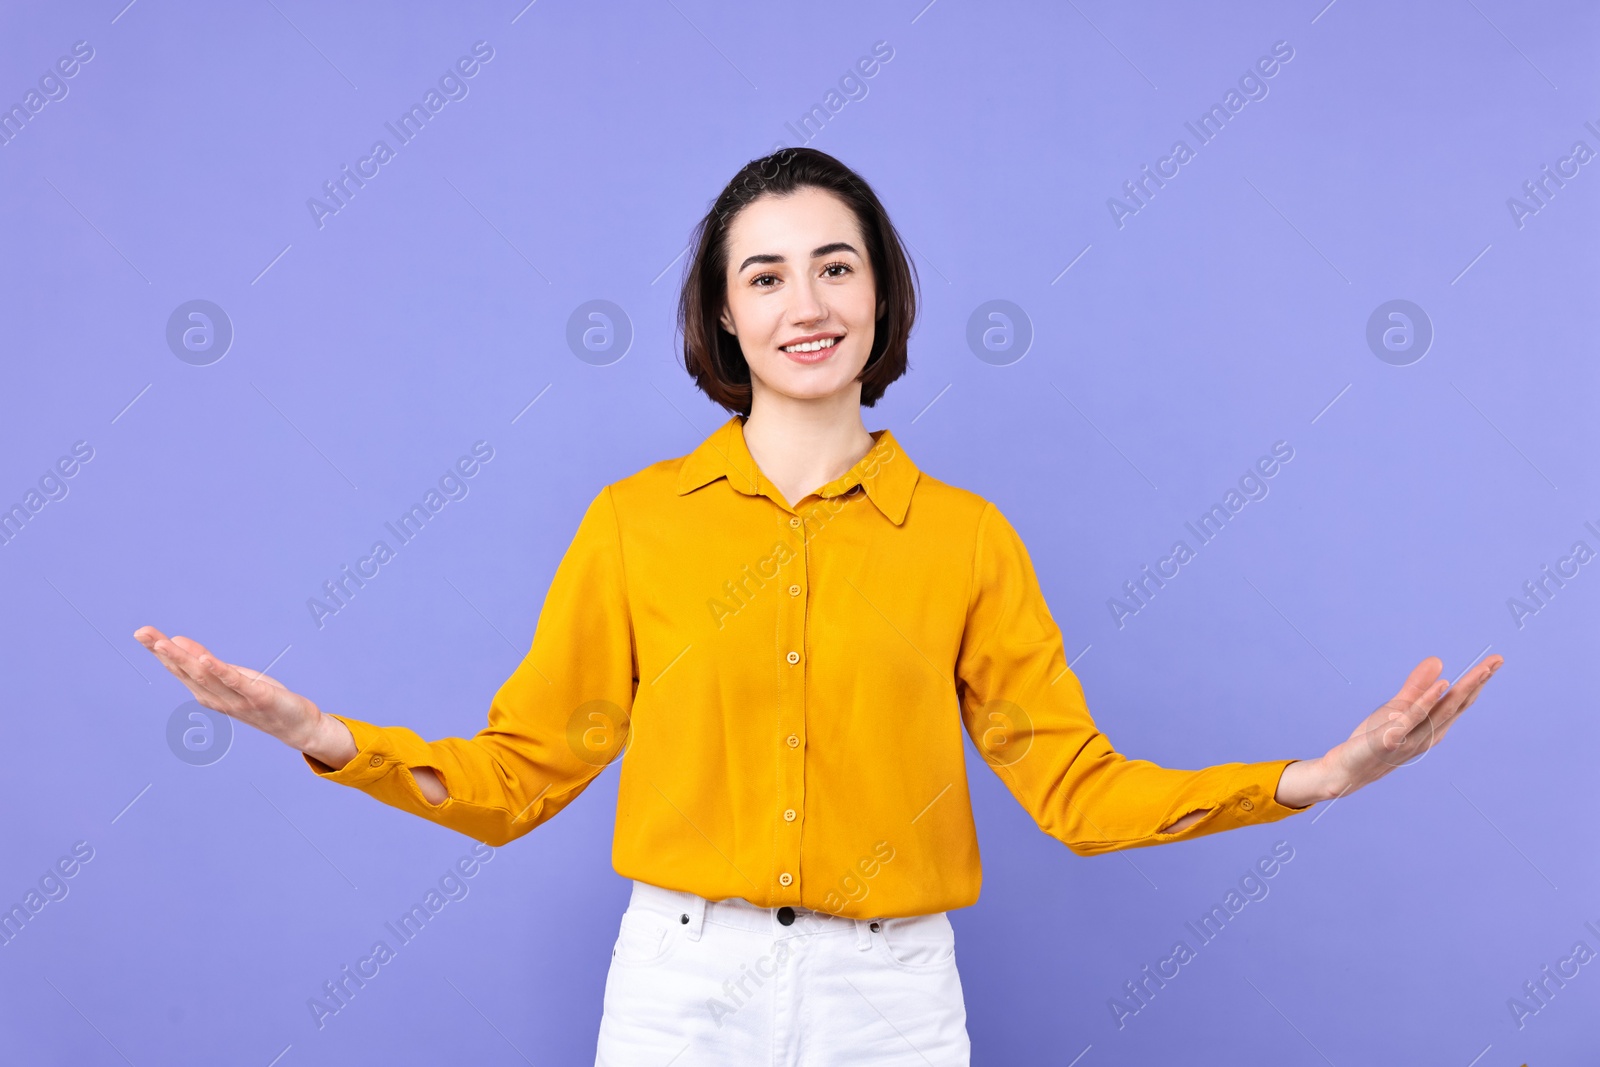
798,272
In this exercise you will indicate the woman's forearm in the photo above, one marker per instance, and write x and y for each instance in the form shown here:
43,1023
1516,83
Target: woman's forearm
431,784
1305,782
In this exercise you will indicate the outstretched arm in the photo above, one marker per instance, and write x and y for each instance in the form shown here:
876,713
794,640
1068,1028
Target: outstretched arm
1025,710
1407,725
267,704
553,725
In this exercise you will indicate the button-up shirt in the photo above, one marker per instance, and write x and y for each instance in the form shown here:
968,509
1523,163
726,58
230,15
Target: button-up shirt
788,689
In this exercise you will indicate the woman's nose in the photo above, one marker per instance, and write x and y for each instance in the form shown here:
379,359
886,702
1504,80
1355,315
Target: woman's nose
807,305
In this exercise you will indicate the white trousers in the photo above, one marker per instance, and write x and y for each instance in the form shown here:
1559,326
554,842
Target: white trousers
696,982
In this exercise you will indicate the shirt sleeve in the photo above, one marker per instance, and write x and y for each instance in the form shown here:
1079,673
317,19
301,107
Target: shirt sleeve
1025,711
553,725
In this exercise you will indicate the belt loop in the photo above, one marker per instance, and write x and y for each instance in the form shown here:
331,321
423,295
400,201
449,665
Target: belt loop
696,910
863,934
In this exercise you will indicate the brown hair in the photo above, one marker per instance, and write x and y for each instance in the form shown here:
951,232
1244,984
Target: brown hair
712,355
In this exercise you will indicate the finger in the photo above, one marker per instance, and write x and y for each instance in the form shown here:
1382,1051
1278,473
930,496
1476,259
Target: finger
173,655
216,676
1412,714
233,678
148,636
239,679
1463,695
170,666
184,652
161,647
191,646
1473,696
212,673
227,674
196,688
1387,715
1471,681
193,673
163,650
186,667
1422,677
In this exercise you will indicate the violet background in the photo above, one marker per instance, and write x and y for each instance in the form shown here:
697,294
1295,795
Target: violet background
1229,313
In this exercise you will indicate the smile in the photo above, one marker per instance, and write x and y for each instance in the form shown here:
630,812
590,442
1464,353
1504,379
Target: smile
812,346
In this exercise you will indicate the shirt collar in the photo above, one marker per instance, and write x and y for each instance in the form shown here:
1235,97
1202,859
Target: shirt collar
886,472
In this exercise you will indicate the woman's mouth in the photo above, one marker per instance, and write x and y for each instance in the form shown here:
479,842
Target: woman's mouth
811,351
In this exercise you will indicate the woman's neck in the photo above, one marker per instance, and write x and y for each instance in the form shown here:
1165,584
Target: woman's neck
802,445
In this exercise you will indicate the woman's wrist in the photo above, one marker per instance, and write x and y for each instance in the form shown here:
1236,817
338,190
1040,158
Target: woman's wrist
1305,782
329,742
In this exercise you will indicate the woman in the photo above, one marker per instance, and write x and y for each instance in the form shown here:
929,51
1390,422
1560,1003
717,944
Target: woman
790,681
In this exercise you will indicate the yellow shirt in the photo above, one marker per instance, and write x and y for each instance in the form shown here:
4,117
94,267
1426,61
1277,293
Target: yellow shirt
788,686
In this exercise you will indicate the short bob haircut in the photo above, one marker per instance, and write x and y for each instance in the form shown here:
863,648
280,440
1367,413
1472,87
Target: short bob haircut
712,355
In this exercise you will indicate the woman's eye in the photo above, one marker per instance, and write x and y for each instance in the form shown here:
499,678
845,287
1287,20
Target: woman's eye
842,268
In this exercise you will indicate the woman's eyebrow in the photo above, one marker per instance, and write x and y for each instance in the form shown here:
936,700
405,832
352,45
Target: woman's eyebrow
819,251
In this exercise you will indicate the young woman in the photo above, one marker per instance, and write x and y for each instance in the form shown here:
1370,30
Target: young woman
787,633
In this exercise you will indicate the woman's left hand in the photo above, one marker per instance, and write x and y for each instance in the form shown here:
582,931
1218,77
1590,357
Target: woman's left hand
1411,722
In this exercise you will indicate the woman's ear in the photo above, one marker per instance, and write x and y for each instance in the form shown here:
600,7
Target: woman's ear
727,321
883,308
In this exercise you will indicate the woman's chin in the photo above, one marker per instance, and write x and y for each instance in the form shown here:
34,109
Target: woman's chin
813,387
814,382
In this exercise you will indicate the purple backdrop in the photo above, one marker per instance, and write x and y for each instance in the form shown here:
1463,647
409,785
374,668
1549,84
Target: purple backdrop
1379,252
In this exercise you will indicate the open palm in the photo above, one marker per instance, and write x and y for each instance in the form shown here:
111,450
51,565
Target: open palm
1408,724
246,695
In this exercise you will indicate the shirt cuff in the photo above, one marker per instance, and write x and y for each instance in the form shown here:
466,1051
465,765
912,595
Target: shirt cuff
375,756
1256,793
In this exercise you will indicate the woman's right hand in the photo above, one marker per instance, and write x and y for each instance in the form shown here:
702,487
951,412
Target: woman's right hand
252,698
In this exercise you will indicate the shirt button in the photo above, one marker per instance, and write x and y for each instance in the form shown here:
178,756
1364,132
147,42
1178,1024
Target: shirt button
793,657
375,761
794,522
785,878
794,590
788,815
794,742
1246,804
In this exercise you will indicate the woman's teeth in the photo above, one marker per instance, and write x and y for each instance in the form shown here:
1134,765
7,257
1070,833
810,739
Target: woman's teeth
812,346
